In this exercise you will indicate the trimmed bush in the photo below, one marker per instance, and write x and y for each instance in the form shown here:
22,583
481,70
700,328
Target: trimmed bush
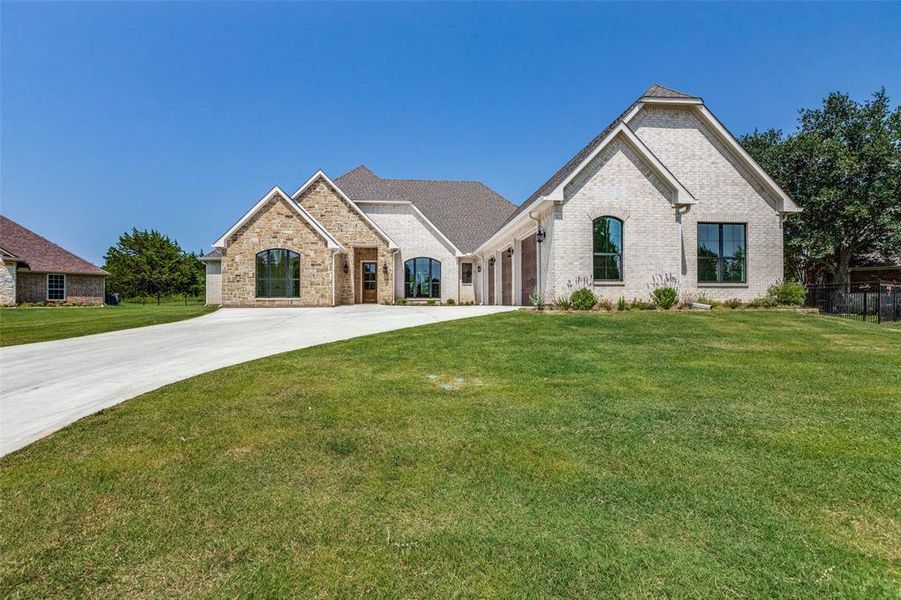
665,297
584,299
450,302
789,293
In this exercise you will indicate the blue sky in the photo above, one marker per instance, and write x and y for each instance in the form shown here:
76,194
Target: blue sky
179,116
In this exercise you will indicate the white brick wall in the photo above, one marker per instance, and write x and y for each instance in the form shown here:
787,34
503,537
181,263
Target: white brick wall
617,183
414,238
657,239
726,192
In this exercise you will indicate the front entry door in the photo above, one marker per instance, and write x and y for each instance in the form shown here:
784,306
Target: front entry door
370,282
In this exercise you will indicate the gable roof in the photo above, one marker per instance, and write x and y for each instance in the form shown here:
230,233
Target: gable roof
321,175
277,192
40,254
465,212
661,95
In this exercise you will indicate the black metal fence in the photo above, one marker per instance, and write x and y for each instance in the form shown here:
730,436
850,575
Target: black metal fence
872,301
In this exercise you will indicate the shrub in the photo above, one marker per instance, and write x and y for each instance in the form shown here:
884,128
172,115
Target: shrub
400,300
789,293
733,303
621,304
665,297
537,299
642,305
430,303
584,299
764,302
450,302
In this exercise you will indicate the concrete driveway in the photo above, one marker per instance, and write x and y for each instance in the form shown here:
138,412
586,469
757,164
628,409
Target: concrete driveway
47,385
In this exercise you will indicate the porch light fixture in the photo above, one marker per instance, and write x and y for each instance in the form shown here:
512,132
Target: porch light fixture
385,268
346,267
510,251
540,235
479,268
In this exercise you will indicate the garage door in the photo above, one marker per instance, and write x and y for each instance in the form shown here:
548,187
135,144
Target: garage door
491,281
506,279
529,270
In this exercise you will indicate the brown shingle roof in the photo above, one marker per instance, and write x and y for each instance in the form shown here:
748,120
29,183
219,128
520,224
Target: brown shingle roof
658,91
655,90
40,254
467,212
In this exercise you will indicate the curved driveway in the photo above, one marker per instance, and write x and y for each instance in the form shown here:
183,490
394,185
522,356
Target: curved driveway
47,385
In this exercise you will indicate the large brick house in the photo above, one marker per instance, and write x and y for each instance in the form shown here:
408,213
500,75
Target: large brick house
34,269
663,191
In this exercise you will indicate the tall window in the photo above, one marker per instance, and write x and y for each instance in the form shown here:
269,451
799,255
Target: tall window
422,278
608,249
466,273
722,253
56,286
278,274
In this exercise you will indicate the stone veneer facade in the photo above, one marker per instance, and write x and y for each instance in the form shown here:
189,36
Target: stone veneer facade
276,225
7,283
360,239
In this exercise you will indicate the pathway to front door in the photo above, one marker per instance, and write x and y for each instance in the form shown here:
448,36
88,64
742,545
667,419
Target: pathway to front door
46,386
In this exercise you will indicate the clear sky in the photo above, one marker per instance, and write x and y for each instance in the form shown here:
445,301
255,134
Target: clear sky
179,116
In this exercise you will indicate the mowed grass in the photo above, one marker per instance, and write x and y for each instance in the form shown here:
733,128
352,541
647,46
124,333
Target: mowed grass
724,454
40,324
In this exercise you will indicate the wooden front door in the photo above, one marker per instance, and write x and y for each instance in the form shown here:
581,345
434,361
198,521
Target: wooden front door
370,281
506,278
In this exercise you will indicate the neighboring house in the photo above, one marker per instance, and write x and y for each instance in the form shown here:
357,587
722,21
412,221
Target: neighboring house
34,269
664,190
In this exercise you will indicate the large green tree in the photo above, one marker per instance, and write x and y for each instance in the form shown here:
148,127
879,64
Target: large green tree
148,263
843,167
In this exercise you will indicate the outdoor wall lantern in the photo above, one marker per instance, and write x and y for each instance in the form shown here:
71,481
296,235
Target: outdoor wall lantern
478,268
510,251
346,266
385,268
541,234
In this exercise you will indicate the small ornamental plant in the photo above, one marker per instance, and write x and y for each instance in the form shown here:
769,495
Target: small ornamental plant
584,299
665,297
789,293
621,304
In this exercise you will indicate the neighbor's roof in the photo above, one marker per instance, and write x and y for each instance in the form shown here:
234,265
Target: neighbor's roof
466,212
40,254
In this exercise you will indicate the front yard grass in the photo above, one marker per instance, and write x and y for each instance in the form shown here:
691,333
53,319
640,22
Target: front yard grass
634,454
40,324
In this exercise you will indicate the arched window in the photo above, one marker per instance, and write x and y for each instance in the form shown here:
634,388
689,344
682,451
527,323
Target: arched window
278,274
608,249
422,278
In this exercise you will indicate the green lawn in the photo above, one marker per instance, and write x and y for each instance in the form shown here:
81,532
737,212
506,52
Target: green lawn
730,454
26,325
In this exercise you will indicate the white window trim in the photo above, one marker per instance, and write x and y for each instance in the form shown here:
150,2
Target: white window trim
47,288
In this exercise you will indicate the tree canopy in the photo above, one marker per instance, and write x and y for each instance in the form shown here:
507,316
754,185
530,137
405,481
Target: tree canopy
843,167
148,263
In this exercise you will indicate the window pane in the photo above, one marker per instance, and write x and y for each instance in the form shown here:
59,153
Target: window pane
56,287
262,278
467,272
608,235
721,252
409,279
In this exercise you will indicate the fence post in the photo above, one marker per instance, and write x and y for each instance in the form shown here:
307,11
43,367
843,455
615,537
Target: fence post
878,301
864,304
